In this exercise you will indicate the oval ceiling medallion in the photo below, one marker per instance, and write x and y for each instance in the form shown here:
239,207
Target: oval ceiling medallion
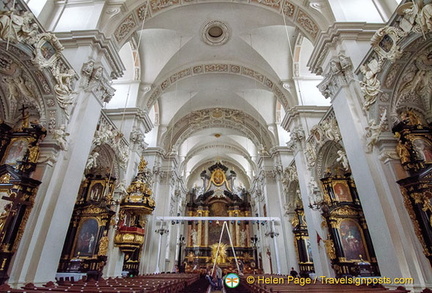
215,33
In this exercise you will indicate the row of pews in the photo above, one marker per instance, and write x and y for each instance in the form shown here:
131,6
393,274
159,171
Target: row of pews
152,283
280,284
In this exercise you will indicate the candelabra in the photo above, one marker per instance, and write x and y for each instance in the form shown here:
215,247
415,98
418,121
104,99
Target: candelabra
254,241
161,231
272,234
179,263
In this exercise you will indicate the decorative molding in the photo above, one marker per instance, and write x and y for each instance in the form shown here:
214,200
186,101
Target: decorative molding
273,86
384,43
219,117
93,80
339,73
373,131
327,41
294,12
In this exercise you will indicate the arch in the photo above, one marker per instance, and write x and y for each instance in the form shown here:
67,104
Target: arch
224,118
327,158
225,68
412,88
107,162
22,82
233,149
308,22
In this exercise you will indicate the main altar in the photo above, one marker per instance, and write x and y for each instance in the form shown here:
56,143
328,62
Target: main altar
217,197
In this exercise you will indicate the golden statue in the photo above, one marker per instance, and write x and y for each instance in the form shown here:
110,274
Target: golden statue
33,155
403,152
330,249
4,215
103,245
410,118
142,165
219,252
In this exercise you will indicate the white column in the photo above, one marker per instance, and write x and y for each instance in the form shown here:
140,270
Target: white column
395,243
38,255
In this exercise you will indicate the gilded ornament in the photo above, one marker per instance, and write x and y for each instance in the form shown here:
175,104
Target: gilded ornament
5,178
142,165
295,221
330,248
33,154
103,245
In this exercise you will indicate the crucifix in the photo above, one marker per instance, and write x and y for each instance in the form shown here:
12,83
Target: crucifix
25,117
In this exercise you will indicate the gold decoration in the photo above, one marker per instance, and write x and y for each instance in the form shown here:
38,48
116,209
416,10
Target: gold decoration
330,248
410,118
345,212
33,155
219,252
128,241
218,177
142,165
103,245
295,221
21,227
93,210
324,224
5,178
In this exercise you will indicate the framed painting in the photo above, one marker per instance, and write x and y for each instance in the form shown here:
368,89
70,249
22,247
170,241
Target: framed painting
96,191
308,249
341,191
86,239
423,150
351,237
15,151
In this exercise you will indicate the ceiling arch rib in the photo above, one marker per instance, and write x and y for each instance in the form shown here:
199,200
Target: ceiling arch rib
224,118
227,149
232,69
122,25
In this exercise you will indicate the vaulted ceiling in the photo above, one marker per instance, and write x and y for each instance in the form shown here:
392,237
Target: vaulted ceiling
217,77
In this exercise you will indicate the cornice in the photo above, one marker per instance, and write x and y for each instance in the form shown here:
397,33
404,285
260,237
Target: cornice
75,39
296,111
339,31
132,112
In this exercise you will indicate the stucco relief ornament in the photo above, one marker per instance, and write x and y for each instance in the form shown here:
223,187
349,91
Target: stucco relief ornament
330,129
92,161
16,26
418,80
63,87
292,173
417,13
47,50
310,155
343,159
373,131
384,43
60,136
339,73
370,86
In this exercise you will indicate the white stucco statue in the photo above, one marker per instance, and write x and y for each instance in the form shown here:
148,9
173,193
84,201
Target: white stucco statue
60,137
91,161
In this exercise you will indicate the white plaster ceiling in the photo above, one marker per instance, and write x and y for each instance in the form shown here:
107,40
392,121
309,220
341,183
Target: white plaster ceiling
171,41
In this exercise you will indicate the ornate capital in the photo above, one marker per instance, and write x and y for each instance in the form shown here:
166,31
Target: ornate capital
339,72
